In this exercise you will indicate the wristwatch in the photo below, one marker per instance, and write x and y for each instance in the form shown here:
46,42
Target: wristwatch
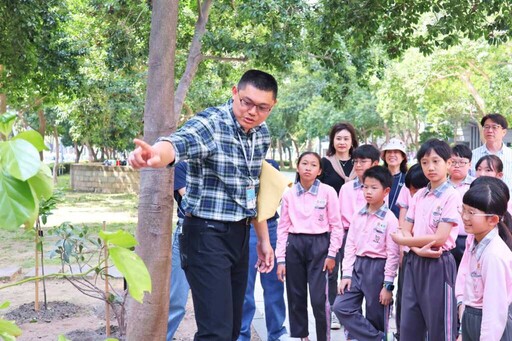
388,286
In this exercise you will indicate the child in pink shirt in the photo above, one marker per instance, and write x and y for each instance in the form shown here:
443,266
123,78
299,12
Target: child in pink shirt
430,231
370,262
460,180
351,193
309,235
484,281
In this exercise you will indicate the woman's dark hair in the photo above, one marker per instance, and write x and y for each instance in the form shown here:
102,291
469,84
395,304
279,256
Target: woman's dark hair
336,129
493,161
415,177
297,176
439,146
403,164
491,195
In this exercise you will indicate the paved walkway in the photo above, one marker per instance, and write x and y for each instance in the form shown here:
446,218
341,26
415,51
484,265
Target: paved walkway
259,320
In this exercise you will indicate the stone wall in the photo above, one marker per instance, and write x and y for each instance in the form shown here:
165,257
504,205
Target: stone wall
104,179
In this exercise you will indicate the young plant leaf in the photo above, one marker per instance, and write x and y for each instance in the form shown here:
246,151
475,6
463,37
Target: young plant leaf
33,137
17,203
119,238
134,271
20,159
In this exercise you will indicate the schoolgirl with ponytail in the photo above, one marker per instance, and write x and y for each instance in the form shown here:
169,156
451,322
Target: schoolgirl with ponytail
484,281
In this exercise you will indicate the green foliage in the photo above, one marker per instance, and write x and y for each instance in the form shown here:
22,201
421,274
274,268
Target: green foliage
24,179
8,330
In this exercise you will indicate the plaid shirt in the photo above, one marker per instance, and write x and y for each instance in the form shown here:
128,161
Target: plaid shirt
218,175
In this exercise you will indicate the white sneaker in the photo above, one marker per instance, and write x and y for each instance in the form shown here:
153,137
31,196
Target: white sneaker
335,324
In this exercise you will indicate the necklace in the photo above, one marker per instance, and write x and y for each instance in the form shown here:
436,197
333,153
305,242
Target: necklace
343,164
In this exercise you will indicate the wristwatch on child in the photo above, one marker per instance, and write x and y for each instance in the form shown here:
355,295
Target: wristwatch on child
388,286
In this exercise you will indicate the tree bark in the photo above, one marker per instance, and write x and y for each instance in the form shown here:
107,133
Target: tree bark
194,57
57,154
78,152
148,321
3,97
479,101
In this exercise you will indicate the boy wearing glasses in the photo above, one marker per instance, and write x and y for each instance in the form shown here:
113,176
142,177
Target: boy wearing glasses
460,180
494,129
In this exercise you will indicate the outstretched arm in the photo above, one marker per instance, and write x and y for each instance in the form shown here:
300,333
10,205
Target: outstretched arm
155,156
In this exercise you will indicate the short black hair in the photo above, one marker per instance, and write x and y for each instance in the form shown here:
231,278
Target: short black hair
366,151
461,150
493,162
260,80
381,174
415,177
439,146
496,118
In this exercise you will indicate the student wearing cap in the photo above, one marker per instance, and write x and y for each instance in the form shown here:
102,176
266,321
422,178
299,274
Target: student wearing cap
395,160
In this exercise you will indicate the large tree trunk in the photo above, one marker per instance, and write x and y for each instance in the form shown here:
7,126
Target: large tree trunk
148,321
194,56
3,97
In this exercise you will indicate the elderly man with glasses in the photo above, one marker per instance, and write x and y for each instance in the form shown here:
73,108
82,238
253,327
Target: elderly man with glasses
494,130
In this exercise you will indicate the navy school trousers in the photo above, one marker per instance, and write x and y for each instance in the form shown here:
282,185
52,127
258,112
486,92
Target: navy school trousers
428,298
305,257
367,280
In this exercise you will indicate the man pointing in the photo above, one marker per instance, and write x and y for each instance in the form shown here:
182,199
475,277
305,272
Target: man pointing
225,147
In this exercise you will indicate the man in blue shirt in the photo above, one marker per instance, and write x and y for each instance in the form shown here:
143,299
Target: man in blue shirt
225,146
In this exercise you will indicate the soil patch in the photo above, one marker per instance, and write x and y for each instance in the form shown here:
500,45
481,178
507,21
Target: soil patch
55,311
94,335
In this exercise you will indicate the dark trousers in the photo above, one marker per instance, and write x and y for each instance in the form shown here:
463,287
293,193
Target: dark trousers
398,303
458,250
305,257
472,324
428,298
367,279
333,276
214,256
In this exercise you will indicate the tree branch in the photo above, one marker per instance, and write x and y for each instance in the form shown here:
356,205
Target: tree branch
225,59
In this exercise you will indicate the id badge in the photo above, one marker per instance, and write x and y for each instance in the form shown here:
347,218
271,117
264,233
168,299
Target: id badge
250,194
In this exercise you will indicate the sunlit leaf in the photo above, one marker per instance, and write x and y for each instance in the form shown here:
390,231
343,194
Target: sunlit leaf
119,238
9,328
42,183
17,203
6,122
134,271
20,158
33,137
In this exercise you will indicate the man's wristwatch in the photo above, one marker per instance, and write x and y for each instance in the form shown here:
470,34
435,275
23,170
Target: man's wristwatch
388,286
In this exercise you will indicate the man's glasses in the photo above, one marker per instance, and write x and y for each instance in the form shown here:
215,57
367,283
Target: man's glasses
248,104
493,127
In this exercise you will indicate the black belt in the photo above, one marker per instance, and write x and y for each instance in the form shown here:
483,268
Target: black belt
246,221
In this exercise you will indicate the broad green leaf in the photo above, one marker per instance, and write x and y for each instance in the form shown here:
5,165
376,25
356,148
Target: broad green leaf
5,305
19,158
7,337
119,238
42,183
111,339
33,137
63,338
134,271
17,203
6,122
9,328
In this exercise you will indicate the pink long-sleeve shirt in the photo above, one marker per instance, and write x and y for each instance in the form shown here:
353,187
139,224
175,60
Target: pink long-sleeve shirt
370,236
315,211
429,207
484,282
351,199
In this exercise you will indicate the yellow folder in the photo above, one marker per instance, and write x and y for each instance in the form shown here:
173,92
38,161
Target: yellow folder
272,186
